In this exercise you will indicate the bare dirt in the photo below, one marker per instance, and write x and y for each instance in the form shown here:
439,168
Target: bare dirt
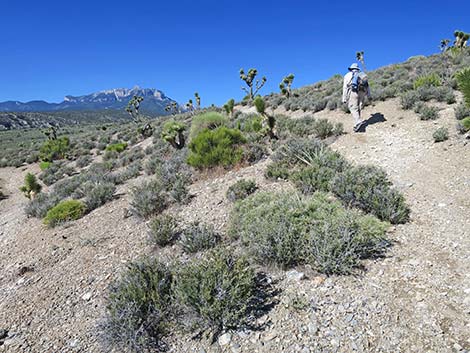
53,282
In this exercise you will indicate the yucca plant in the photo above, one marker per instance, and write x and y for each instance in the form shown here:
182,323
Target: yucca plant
31,186
463,82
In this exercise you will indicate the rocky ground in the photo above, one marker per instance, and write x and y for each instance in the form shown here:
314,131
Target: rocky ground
417,299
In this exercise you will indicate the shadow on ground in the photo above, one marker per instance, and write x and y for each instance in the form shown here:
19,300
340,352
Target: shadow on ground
375,118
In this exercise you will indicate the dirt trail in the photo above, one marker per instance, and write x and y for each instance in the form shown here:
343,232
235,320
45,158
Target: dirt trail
417,299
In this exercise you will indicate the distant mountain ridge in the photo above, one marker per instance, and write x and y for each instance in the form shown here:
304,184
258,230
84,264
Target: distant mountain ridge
154,102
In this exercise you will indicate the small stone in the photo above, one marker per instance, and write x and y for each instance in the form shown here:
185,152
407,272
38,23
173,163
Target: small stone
73,343
312,328
225,339
318,280
441,204
235,348
295,275
87,296
270,336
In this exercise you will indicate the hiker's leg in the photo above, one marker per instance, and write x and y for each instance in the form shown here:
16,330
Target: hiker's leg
353,105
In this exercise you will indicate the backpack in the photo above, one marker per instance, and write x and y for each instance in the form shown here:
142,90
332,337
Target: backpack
359,82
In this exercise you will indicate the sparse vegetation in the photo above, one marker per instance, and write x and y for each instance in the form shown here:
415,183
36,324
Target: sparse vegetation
149,198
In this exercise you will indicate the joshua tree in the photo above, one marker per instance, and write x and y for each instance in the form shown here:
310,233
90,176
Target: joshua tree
229,107
461,39
253,85
31,187
198,101
285,85
360,58
260,105
51,133
173,133
133,110
444,45
190,105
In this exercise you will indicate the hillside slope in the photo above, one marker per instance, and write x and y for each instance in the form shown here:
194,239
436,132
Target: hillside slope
53,281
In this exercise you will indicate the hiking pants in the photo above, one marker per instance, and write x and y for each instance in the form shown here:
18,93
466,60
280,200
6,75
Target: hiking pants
355,104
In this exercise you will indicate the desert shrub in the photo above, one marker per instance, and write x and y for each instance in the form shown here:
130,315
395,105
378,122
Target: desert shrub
163,230
323,128
54,149
97,194
286,229
139,307
408,100
39,206
338,129
32,158
441,134
216,292
31,186
131,156
368,188
313,178
277,170
44,165
149,198
111,156
301,127
83,161
152,164
464,125
461,111
426,112
55,172
219,147
68,210
249,123
209,120
131,171
116,147
463,83
241,189
427,80
198,237
254,152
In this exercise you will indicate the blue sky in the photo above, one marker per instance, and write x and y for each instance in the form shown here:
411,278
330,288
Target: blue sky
53,48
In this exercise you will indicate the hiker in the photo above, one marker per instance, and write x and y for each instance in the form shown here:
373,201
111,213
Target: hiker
355,89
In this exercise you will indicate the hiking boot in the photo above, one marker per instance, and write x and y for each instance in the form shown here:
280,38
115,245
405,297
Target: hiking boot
358,126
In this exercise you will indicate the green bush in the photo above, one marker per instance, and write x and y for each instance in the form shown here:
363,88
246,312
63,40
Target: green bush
209,120
163,230
31,186
441,134
44,165
149,198
368,188
54,149
216,292
198,237
116,147
64,211
241,189
219,147
463,82
464,125
287,229
427,80
139,307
